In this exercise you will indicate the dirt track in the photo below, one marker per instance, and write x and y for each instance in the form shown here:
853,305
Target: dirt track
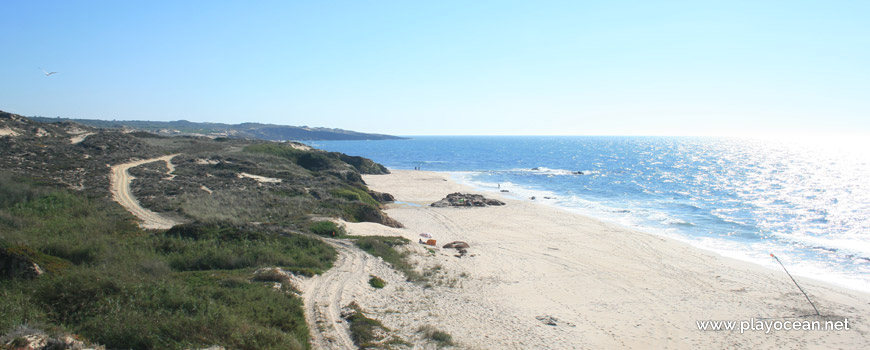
120,179
325,295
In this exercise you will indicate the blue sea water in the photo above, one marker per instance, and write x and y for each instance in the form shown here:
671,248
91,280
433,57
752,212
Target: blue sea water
808,204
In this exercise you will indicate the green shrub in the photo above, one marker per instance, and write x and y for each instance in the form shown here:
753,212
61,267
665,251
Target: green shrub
310,160
327,228
383,247
356,194
377,282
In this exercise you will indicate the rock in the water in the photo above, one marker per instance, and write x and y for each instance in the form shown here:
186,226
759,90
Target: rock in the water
465,200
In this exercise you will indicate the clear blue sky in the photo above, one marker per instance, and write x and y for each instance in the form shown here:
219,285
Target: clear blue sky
448,67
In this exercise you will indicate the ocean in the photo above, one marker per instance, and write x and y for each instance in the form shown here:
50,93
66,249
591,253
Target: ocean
741,198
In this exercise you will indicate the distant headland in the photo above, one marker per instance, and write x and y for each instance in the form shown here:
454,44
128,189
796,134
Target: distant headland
270,132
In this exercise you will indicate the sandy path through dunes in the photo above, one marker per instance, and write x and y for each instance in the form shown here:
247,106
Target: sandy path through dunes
79,138
324,297
120,178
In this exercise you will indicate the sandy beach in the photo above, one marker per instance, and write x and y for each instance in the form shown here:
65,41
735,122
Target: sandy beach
538,277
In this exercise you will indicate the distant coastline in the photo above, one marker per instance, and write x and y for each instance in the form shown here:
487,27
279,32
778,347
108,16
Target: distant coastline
269,132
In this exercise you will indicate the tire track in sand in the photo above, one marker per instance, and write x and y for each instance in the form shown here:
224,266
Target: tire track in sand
119,185
324,297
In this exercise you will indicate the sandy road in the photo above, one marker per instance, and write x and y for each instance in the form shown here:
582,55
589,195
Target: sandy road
325,295
119,185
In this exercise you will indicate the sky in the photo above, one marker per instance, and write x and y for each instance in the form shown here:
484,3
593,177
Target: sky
727,68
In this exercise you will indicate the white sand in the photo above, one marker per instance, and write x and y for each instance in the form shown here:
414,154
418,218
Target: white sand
78,138
8,132
607,286
258,178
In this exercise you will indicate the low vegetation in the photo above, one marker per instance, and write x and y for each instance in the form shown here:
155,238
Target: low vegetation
327,228
385,248
72,261
377,282
439,337
110,283
369,333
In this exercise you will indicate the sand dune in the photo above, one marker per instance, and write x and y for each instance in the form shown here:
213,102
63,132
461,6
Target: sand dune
538,277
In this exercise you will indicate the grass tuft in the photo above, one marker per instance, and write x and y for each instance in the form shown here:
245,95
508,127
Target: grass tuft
439,337
377,282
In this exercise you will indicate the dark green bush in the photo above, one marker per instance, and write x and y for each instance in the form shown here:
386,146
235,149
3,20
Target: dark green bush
377,282
327,228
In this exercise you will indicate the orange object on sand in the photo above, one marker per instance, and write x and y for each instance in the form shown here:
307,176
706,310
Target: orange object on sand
430,242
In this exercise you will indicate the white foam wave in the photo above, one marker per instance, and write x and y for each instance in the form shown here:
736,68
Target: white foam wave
549,171
754,252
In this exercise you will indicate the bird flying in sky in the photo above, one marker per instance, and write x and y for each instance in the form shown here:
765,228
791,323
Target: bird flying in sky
47,73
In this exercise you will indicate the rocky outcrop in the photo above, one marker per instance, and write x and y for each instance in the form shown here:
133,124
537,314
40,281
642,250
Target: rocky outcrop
363,165
460,246
24,337
19,262
368,213
381,197
465,200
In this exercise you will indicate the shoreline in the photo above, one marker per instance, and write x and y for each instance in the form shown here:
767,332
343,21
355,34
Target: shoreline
542,277
460,178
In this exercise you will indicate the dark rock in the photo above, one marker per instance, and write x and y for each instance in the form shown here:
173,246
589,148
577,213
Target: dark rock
465,200
552,321
548,320
456,245
382,197
505,191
